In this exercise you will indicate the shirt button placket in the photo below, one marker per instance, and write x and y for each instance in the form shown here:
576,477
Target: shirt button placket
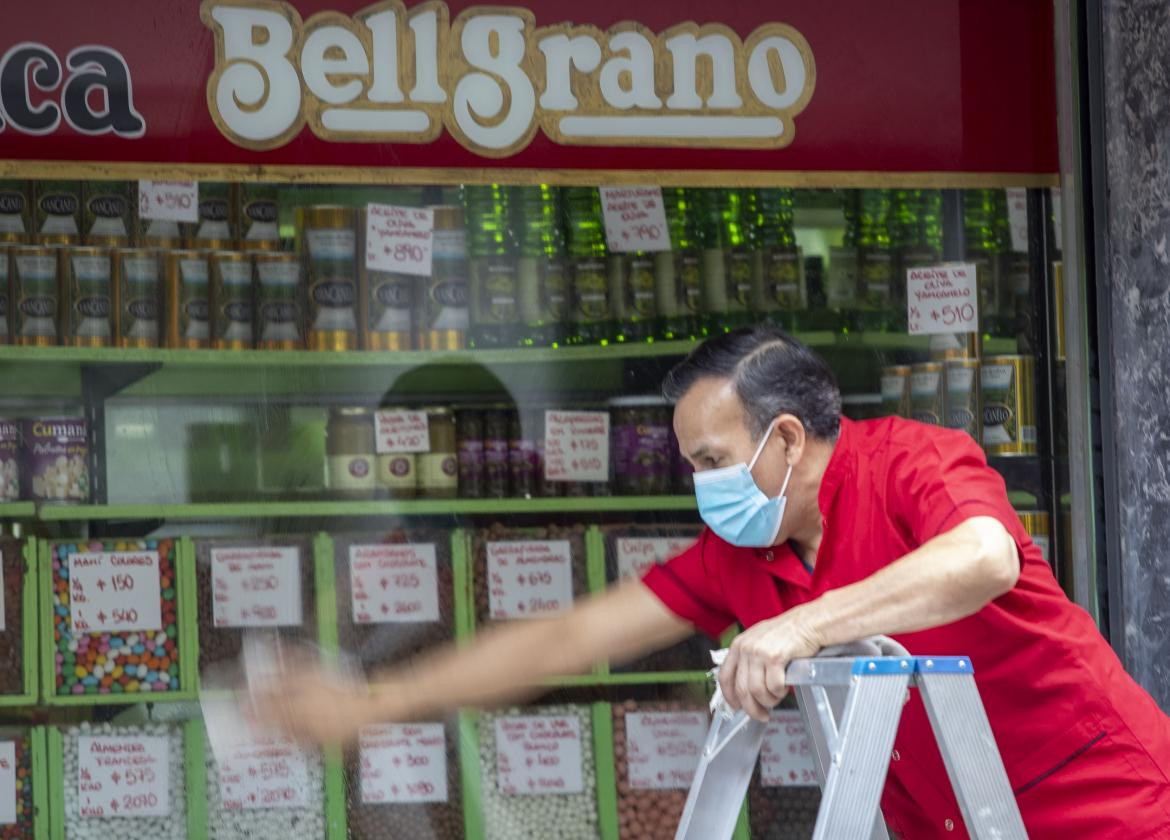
949,825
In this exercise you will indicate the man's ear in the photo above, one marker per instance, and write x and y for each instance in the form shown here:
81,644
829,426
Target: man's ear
789,427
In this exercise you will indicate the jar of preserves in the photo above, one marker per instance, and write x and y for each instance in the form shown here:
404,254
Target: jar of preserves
640,446
438,470
349,448
495,452
522,459
469,445
397,472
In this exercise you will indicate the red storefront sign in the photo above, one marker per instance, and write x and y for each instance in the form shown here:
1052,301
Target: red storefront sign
915,86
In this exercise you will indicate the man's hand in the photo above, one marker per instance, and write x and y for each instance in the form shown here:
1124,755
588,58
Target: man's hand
752,676
314,707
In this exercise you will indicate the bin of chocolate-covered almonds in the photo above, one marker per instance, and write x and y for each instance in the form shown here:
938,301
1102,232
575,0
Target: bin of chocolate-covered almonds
527,572
396,597
17,622
245,584
629,551
119,781
114,621
24,804
784,796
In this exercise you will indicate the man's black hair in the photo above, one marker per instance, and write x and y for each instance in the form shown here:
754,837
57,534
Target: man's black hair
773,374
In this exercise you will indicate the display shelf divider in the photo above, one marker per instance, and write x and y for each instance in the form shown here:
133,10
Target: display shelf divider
743,830
606,769
336,816
595,573
464,601
325,582
195,769
186,591
470,777
55,772
18,510
48,646
39,779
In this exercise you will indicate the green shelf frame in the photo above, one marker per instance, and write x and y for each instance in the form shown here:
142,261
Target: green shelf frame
18,510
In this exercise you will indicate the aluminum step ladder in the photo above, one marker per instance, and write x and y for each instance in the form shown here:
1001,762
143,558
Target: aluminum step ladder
851,699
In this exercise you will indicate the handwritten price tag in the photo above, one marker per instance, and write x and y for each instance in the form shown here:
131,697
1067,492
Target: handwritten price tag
403,763
1017,206
399,239
263,772
529,578
114,591
635,555
576,446
169,201
8,783
539,754
124,776
392,583
256,587
401,431
942,299
635,219
786,758
663,748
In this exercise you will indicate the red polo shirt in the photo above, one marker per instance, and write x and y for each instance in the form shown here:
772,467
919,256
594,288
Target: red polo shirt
1086,749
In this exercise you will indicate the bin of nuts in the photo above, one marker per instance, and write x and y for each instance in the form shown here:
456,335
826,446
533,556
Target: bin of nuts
114,618
632,549
656,748
527,572
247,584
127,782
403,781
783,797
20,815
16,671
554,795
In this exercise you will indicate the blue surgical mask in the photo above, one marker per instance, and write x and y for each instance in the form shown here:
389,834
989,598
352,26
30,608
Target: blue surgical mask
734,506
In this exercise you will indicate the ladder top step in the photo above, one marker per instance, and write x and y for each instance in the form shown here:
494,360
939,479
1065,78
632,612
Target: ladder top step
842,670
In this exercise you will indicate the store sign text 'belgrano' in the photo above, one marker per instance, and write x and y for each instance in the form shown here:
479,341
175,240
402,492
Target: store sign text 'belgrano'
492,77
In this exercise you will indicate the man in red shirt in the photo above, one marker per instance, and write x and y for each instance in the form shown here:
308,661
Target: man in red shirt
823,531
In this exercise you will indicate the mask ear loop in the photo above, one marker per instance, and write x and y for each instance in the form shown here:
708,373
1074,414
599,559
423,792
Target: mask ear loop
760,451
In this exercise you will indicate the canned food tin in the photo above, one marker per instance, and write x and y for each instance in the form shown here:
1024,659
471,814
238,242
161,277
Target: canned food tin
390,310
108,214
962,387
926,393
36,291
10,458
1009,407
5,295
258,217
58,211
88,290
188,299
231,300
16,221
216,228
956,346
896,391
137,290
278,313
1038,524
329,244
443,313
56,459
438,469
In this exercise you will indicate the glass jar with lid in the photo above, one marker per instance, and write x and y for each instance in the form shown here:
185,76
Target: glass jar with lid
349,448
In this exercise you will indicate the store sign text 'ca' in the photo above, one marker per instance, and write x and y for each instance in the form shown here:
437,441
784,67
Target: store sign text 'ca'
493,78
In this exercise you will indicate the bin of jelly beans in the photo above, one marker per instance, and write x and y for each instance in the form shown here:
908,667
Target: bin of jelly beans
23,810
630,550
251,584
17,660
524,573
115,618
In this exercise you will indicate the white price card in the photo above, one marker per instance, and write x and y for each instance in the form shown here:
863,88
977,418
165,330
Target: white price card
663,748
403,763
399,239
1017,206
263,772
8,783
576,445
169,201
786,758
401,431
942,299
256,586
124,776
529,578
635,219
635,555
114,591
393,583
539,754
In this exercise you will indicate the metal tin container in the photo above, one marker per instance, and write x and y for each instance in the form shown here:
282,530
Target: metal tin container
258,217
443,314
109,213
57,208
216,227
10,460
188,299
896,390
232,300
6,306
36,295
16,216
1009,405
56,459
962,389
641,456
438,469
137,293
329,247
956,346
87,288
278,310
926,393
1038,524
390,310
